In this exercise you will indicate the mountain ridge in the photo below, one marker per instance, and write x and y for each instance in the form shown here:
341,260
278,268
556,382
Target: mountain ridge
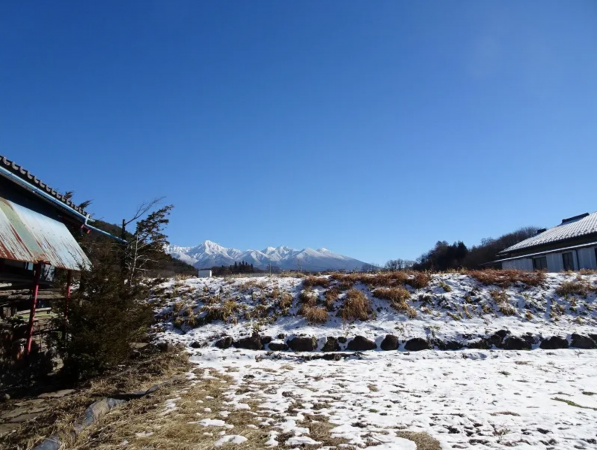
210,254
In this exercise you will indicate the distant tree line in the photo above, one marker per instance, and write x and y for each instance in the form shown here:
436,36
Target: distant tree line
236,268
445,256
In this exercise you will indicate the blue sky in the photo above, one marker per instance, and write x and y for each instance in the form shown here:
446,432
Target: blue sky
373,129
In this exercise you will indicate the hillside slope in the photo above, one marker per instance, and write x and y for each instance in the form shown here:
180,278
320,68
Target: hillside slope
477,309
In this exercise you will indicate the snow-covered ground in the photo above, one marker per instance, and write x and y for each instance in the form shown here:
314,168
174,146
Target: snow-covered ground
453,307
486,399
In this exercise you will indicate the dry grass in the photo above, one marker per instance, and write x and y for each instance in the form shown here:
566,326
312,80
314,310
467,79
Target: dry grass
500,297
331,296
314,314
356,306
419,280
226,312
311,281
386,279
398,299
506,278
150,369
423,440
308,298
569,288
507,310
285,301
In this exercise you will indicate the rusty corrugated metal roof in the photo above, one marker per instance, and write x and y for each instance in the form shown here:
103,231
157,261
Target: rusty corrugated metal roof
29,236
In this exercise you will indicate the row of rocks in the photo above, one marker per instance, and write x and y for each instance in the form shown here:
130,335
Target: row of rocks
501,339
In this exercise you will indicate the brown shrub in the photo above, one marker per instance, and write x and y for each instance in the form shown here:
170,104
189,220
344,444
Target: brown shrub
419,280
314,314
573,288
331,295
506,278
356,306
310,281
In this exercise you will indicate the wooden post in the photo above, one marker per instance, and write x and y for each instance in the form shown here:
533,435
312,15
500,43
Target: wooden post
36,275
69,280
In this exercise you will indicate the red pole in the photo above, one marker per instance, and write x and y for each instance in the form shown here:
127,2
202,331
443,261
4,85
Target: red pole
36,276
69,279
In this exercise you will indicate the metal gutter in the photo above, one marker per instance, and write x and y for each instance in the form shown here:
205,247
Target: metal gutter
86,218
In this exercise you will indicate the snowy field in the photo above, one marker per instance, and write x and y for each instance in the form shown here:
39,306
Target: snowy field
467,399
470,398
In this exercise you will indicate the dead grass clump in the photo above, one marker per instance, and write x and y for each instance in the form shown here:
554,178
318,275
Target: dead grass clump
499,296
314,314
568,288
311,281
285,300
423,440
398,299
308,298
227,312
356,306
331,295
507,309
419,280
506,278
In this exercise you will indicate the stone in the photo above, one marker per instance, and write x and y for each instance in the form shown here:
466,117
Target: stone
416,344
580,341
225,342
361,343
390,342
331,345
342,340
250,343
496,339
265,340
277,346
553,343
281,336
196,344
516,343
448,345
302,344
481,344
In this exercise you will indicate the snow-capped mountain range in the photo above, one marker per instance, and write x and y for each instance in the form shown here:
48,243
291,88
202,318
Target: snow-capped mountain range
209,254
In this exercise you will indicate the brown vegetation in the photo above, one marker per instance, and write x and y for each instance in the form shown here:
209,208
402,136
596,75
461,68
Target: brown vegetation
576,287
308,298
398,299
506,278
314,314
311,281
331,295
419,280
356,306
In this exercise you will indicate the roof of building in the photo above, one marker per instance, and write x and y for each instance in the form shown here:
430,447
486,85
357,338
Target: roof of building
29,236
33,180
574,227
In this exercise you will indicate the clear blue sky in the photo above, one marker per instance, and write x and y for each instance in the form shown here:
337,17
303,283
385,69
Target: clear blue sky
373,129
